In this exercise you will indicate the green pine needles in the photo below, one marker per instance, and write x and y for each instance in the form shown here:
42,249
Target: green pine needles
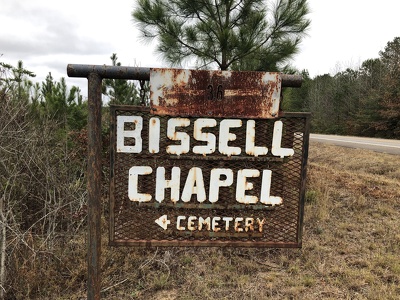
232,34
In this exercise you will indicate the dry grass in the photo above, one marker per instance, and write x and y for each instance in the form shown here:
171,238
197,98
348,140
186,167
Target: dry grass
351,247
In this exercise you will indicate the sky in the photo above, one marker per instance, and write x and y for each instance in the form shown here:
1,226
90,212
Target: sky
48,35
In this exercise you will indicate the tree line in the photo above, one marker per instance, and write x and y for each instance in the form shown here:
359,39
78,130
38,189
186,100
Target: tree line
363,101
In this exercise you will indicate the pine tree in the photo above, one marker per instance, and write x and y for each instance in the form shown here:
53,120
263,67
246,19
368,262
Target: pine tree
14,81
233,34
120,91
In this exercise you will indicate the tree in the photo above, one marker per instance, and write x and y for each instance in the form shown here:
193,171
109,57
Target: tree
120,91
295,99
14,81
243,34
390,98
61,104
371,86
320,103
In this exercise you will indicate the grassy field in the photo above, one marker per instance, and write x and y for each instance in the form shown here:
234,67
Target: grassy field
351,248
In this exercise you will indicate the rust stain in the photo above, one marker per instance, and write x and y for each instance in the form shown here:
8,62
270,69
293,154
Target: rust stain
215,93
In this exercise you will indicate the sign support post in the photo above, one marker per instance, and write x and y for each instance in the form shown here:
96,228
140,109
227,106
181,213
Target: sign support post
94,186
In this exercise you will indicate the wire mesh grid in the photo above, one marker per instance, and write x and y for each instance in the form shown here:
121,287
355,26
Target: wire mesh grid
225,222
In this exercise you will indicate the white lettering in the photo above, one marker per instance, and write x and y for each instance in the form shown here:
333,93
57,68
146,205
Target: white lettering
206,222
194,185
215,224
225,136
133,193
194,223
216,182
265,197
249,224
237,224
173,184
242,185
227,220
260,224
277,141
178,222
178,136
135,134
154,135
208,137
191,220
135,143
251,148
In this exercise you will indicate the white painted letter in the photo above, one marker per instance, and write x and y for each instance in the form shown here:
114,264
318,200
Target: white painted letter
135,134
242,186
215,224
249,224
173,184
194,185
251,148
178,222
133,180
178,136
208,137
277,140
191,220
260,224
206,222
225,136
265,197
237,224
216,182
227,220
154,135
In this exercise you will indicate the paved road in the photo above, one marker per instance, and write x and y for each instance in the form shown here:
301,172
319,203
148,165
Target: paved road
379,145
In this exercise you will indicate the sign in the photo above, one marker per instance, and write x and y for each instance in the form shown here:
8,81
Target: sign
205,180
215,93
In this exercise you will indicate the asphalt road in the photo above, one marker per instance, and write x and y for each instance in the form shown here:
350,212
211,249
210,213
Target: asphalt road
378,145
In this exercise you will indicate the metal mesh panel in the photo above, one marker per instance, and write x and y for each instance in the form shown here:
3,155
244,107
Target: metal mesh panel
225,222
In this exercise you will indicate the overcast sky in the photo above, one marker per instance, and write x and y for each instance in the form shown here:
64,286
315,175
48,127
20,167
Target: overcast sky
47,35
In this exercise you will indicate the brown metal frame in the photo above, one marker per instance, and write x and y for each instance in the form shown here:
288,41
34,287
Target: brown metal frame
95,74
204,243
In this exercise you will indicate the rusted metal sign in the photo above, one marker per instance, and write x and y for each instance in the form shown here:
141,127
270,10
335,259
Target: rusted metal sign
228,189
215,93
206,181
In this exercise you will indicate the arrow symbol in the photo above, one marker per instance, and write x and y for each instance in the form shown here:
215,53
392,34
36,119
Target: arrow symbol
163,222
